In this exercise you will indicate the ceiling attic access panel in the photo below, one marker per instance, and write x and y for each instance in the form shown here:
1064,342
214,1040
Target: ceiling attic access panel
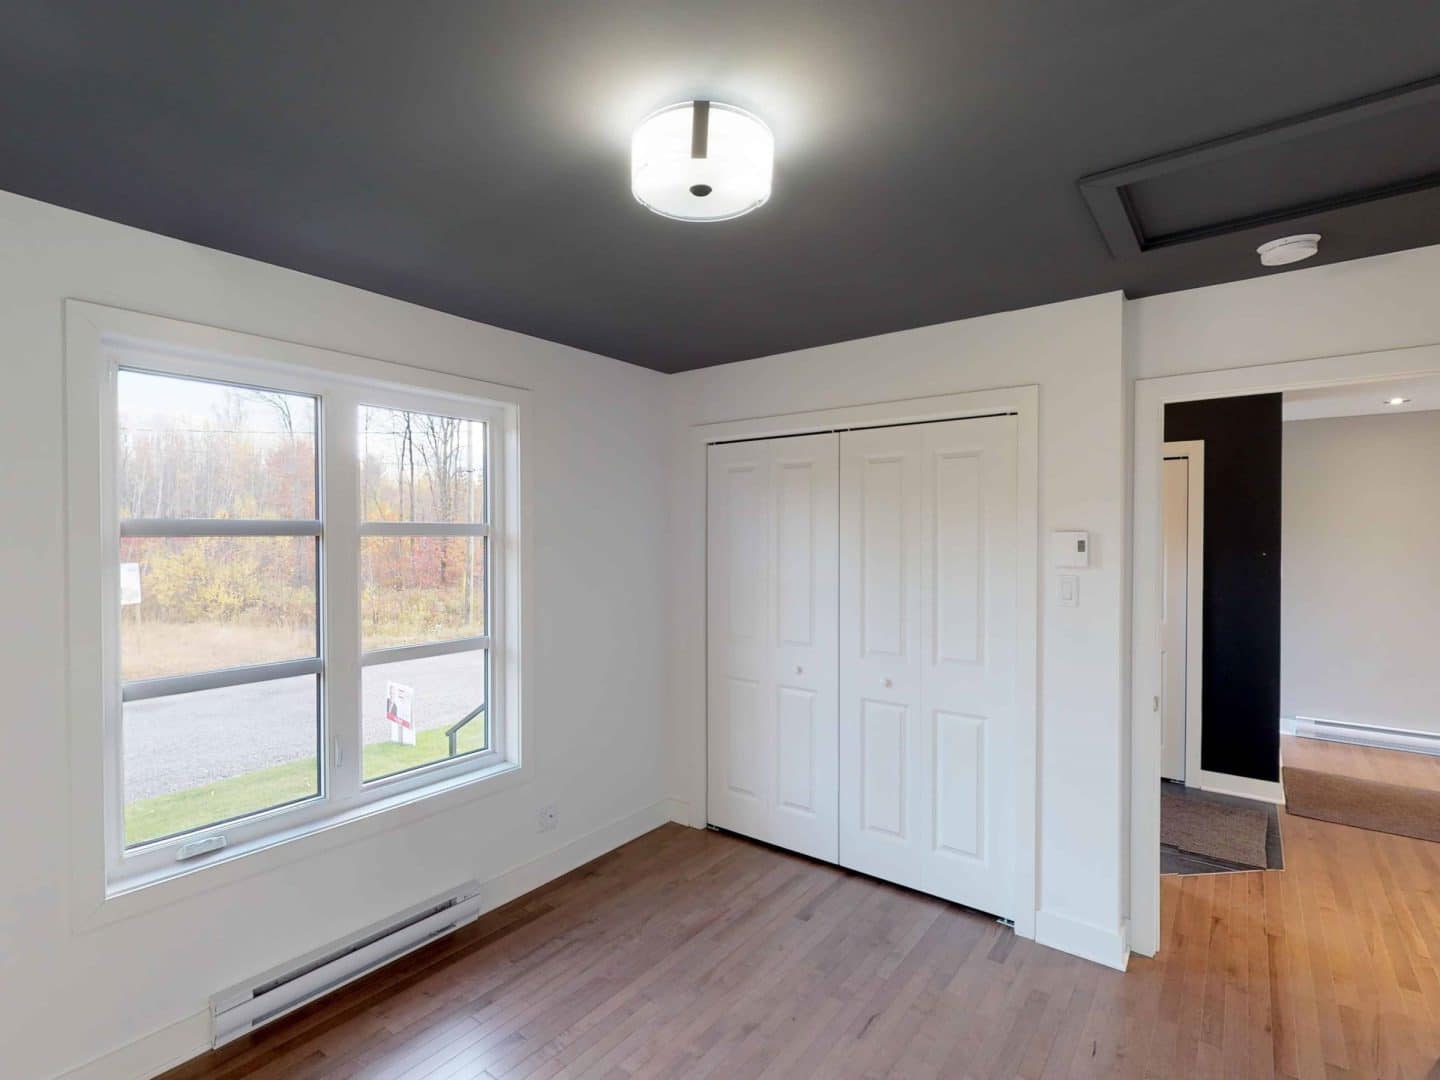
1373,148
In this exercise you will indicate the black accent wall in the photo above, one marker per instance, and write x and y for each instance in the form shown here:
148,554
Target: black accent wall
1241,684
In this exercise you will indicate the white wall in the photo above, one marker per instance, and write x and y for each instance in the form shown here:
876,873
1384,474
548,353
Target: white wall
1360,563
594,723
1386,302
1072,351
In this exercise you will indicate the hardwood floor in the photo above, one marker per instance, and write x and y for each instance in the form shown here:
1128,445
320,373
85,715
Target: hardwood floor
1364,762
695,954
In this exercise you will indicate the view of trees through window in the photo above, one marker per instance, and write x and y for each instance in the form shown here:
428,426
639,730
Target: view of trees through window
192,449
420,467
419,470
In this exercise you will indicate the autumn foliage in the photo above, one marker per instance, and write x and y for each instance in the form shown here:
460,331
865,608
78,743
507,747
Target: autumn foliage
225,452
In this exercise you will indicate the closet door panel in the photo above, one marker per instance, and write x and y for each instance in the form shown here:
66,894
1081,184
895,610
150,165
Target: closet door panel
882,555
939,665
740,706
882,769
969,679
795,770
959,570
772,628
880,761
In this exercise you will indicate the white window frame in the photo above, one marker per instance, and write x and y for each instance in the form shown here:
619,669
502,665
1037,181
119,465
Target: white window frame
100,341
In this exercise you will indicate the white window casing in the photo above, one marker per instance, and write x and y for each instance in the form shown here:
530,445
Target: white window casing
100,341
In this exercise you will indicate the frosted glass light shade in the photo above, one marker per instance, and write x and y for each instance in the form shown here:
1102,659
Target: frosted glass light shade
702,161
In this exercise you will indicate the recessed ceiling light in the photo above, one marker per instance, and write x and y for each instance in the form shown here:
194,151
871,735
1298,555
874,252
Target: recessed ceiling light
1289,249
1397,401
702,161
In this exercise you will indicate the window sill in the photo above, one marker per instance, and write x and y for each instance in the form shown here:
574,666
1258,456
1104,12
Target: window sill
132,895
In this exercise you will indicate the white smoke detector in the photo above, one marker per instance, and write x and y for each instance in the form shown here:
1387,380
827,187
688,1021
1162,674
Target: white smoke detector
1289,249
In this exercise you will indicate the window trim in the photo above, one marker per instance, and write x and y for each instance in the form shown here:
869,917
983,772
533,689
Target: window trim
110,883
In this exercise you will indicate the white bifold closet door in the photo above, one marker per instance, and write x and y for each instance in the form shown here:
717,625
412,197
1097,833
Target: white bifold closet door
772,649
927,656
862,602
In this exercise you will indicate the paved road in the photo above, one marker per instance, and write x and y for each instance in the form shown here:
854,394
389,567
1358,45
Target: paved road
179,742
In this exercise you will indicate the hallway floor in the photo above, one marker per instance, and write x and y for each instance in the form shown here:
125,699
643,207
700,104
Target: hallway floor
1363,762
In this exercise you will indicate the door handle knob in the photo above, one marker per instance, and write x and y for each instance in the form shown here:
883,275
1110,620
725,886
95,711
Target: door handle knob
889,683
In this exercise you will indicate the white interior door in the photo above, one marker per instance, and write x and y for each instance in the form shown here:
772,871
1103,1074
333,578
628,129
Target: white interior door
1174,616
928,656
772,613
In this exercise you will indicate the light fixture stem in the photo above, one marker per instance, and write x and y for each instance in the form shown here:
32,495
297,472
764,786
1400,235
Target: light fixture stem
700,130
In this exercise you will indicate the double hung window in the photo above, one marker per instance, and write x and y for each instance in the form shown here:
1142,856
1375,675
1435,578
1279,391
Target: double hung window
304,588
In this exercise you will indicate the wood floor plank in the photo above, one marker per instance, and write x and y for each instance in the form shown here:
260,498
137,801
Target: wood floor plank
1363,762
697,954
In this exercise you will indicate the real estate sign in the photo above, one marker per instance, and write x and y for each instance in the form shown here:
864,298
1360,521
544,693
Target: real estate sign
129,583
399,700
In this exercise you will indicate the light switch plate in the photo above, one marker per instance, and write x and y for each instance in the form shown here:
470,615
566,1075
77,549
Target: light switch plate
1069,590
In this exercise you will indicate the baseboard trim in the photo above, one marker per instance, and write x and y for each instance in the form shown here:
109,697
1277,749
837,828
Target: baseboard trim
150,1055
1271,791
1383,738
177,1043
682,813
1085,940
1287,725
543,869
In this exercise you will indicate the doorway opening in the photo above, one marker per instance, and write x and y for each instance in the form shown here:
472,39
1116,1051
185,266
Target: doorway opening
1300,614
1258,747
1219,604
1360,741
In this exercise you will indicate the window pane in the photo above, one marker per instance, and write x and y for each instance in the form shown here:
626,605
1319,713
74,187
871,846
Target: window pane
191,604
417,589
432,694
199,759
196,449
421,467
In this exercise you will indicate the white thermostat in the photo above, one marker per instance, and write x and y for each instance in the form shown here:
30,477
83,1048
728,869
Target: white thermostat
1070,550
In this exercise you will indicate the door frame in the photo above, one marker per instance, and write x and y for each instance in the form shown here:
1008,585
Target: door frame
1151,397
1024,403
1193,452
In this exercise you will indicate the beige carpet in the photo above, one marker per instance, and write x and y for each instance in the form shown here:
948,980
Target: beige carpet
1365,804
1233,834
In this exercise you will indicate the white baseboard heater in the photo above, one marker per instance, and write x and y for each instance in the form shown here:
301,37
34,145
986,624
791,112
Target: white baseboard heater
270,995
1419,742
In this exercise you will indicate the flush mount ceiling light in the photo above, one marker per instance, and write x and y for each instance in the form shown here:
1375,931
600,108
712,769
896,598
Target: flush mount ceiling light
1397,401
702,161
1289,249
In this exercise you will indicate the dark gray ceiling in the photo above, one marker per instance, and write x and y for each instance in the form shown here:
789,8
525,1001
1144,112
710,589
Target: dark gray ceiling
472,157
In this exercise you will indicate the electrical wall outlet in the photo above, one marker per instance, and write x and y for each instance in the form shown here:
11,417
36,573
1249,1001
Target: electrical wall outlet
549,817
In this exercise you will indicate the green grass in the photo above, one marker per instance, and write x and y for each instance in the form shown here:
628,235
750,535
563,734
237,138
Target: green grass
181,811
382,759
